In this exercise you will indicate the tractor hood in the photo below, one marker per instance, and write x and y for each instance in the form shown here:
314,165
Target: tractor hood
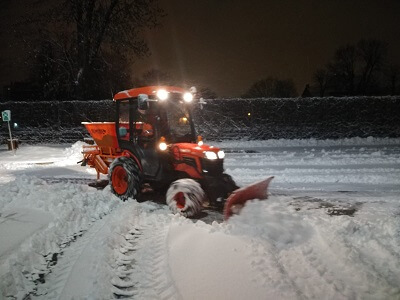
192,149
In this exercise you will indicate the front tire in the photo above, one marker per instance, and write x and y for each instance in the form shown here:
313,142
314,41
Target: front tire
185,197
125,177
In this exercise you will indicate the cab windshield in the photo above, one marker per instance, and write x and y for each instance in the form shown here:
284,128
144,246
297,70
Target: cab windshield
179,122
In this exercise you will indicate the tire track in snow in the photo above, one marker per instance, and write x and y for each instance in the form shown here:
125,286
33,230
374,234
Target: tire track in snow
275,253
304,271
338,265
270,272
122,281
357,261
72,276
270,229
329,262
311,272
144,274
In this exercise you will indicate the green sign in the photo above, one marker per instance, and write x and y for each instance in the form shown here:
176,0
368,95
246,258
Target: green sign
6,115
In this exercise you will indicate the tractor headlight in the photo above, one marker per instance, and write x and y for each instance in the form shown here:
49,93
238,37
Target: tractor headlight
210,155
188,97
162,145
162,94
221,154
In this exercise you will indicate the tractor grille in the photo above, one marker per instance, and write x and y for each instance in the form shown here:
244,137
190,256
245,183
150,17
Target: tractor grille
212,167
189,161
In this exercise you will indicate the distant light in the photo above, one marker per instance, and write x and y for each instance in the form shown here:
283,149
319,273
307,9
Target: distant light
183,121
162,94
249,114
15,125
188,97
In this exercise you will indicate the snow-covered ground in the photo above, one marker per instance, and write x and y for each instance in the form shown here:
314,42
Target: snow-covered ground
329,230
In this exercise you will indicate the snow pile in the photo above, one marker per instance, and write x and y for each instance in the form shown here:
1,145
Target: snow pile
313,255
72,154
329,230
276,249
71,208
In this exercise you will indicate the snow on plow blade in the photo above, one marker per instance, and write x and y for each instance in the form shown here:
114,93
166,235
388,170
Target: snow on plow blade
239,197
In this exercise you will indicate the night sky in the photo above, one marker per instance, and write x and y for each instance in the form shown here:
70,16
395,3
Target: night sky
227,45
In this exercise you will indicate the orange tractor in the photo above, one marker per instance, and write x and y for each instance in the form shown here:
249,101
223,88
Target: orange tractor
152,146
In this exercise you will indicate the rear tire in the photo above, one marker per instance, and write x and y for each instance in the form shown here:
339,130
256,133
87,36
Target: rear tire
185,197
125,177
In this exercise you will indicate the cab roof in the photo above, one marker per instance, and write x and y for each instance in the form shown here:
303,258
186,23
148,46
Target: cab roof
148,90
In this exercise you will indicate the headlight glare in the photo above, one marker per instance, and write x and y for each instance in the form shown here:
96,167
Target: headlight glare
221,154
162,94
188,97
210,155
162,146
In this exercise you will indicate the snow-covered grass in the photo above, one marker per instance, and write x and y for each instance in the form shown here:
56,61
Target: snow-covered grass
329,230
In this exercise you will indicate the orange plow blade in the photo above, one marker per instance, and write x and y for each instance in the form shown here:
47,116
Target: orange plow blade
239,197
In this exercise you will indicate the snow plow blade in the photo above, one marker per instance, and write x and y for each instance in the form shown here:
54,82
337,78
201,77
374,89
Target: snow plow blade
239,197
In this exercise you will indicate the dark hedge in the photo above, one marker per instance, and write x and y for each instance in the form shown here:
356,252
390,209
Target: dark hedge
289,118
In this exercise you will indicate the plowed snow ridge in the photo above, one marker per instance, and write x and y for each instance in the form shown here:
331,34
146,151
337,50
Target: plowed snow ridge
330,229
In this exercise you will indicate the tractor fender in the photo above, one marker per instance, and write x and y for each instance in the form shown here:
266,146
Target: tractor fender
129,154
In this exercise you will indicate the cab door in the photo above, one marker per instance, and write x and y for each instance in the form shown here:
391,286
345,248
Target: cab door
136,133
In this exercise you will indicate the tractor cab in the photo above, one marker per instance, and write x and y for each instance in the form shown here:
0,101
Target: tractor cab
150,118
151,115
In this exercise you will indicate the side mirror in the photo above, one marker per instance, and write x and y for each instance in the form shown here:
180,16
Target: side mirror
143,103
193,90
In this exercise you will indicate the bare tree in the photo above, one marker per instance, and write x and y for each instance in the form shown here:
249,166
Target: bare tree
394,79
372,54
84,33
271,87
52,71
206,93
354,70
343,69
154,77
321,78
